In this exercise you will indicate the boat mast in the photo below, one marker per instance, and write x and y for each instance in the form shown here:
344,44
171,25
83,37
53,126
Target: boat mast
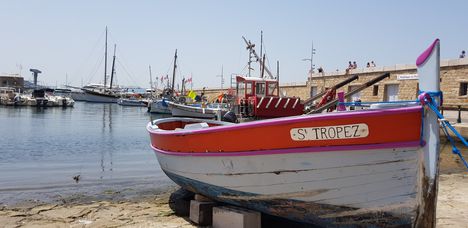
173,72
277,77
250,47
151,81
113,69
105,62
263,67
261,43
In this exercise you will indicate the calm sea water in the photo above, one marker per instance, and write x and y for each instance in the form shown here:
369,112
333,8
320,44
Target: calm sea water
41,150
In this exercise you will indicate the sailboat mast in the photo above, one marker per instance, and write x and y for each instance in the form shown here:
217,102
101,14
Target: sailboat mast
261,43
151,81
173,72
113,69
105,62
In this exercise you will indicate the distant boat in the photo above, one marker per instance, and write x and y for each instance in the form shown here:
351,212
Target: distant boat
46,98
78,95
376,167
62,92
211,111
7,96
159,106
103,94
132,102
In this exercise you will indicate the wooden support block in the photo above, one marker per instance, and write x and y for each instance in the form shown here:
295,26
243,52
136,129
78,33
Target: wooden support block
202,198
182,207
201,212
235,217
179,202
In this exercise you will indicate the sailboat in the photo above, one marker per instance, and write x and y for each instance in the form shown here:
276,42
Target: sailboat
100,93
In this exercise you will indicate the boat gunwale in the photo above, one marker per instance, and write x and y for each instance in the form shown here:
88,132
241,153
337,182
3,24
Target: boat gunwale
312,149
277,121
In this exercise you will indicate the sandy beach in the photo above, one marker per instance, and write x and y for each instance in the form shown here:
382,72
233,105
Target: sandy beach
76,212
153,210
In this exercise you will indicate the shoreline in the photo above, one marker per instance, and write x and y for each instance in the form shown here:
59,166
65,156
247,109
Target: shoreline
154,210
135,207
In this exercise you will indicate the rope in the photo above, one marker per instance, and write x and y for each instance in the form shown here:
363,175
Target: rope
455,150
427,99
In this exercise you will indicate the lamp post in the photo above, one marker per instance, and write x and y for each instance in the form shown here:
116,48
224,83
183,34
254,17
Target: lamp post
312,53
311,59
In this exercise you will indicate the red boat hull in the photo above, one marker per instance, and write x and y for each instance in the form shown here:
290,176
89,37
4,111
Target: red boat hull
333,129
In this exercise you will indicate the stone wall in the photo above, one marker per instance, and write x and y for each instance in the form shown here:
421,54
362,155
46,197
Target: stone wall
454,74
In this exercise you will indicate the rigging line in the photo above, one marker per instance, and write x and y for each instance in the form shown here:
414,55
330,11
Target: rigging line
267,59
79,70
240,60
126,71
169,69
121,56
95,69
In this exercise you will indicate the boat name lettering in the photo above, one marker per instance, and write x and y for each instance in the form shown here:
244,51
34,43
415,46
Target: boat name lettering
351,131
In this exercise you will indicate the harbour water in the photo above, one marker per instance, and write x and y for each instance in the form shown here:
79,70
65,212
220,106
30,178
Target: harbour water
105,146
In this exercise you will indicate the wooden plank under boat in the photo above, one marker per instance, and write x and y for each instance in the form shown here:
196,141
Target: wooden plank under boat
376,167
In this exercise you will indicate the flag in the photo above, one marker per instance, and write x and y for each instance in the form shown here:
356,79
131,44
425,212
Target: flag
162,79
192,94
189,80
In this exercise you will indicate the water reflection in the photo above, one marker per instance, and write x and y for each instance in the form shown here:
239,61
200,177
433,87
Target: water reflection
106,132
103,143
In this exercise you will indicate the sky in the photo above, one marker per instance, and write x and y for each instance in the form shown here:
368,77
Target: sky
65,39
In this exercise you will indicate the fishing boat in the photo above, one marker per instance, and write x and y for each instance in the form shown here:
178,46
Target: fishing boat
160,105
376,167
259,97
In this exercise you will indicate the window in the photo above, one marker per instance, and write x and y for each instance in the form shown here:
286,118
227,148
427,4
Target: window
240,89
463,88
260,88
391,92
375,90
313,91
272,88
356,96
248,85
